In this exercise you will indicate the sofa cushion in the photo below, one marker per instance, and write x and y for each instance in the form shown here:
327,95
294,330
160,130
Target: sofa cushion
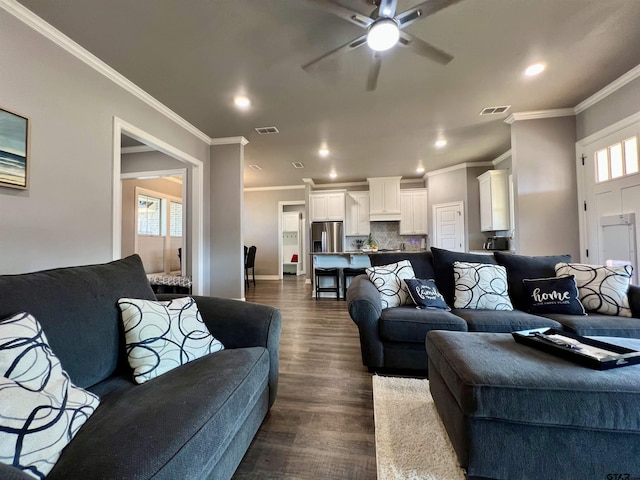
520,267
502,321
553,295
602,289
422,262
41,409
409,324
77,308
425,294
161,336
597,324
175,426
388,280
443,261
480,286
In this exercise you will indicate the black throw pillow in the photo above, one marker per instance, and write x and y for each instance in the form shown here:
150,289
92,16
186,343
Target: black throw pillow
425,294
553,295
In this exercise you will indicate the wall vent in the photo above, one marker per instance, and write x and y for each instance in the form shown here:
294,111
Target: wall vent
297,165
255,167
267,130
495,110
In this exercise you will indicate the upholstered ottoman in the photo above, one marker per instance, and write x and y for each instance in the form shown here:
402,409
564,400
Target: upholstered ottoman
514,412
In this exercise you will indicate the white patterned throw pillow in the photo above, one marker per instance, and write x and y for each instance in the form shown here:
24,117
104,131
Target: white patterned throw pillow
601,289
481,286
40,408
388,281
161,336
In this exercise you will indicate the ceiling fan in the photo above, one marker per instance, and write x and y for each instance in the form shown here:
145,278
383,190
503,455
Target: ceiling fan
385,30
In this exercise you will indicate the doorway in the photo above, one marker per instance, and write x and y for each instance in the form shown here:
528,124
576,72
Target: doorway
448,226
292,238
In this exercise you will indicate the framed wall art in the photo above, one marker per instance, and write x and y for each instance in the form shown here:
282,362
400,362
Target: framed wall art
14,158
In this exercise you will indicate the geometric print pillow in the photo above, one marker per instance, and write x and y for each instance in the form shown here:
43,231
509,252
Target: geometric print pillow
40,409
601,289
481,286
161,336
388,281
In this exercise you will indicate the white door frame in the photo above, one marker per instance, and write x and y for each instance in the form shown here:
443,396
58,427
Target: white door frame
281,206
460,205
194,198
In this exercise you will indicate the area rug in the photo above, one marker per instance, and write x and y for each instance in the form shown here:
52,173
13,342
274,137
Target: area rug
411,441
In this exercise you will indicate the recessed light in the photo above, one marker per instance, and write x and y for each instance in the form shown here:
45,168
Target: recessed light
242,102
420,170
440,143
323,152
535,69
333,174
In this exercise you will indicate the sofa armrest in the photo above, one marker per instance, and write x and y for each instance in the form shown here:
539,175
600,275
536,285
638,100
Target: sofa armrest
239,324
365,308
634,300
8,472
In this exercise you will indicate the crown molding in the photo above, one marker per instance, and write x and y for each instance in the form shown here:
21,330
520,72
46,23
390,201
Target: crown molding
228,141
29,18
309,181
501,158
614,86
268,189
460,166
539,114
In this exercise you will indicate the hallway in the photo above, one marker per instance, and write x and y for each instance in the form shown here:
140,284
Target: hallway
321,426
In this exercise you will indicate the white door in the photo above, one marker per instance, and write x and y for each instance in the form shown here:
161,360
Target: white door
448,226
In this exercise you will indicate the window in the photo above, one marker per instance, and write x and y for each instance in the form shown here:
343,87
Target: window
148,215
175,219
617,160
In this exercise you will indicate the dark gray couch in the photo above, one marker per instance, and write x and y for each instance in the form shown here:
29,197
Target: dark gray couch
394,338
195,421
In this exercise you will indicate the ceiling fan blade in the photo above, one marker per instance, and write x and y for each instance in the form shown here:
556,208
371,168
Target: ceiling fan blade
374,71
423,48
422,10
357,18
387,8
352,45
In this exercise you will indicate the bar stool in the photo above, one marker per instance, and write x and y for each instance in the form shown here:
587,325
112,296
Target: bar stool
349,272
327,272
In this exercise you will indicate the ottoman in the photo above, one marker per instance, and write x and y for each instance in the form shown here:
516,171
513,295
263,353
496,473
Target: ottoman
514,412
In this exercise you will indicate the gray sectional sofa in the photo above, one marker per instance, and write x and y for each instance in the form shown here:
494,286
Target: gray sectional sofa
394,338
195,421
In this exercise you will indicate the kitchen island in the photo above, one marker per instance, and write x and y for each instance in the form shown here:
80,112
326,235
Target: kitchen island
342,260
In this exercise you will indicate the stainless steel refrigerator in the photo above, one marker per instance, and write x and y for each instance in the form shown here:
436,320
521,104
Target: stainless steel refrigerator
326,236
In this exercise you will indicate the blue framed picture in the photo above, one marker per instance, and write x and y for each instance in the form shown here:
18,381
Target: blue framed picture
14,160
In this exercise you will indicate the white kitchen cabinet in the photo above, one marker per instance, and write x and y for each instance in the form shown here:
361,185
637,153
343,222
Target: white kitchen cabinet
327,206
384,198
290,221
494,200
357,214
413,206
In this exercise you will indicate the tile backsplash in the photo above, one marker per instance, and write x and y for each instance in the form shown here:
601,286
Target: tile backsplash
386,235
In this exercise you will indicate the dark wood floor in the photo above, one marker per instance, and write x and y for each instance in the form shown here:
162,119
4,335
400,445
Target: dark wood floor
321,426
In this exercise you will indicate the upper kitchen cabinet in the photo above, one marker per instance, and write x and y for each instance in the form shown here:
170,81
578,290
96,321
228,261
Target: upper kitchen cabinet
413,204
494,200
384,198
327,206
357,217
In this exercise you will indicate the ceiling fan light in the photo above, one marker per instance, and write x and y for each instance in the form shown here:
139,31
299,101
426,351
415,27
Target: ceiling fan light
383,34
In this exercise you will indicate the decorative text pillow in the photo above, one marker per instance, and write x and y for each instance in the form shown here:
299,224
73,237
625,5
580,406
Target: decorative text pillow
388,281
425,294
40,409
553,295
481,286
161,336
601,289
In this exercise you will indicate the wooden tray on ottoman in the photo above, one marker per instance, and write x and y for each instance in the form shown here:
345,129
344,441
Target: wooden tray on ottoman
586,351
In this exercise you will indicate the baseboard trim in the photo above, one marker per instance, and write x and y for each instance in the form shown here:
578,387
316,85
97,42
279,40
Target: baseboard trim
267,277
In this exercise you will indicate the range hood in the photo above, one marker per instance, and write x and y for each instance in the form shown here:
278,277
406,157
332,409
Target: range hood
384,217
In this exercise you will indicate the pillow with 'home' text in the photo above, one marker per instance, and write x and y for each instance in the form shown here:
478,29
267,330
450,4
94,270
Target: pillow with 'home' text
553,295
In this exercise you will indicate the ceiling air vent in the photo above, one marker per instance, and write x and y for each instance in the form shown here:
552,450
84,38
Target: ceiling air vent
494,110
255,167
297,165
267,130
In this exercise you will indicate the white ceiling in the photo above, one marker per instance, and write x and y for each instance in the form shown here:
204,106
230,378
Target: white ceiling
194,56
